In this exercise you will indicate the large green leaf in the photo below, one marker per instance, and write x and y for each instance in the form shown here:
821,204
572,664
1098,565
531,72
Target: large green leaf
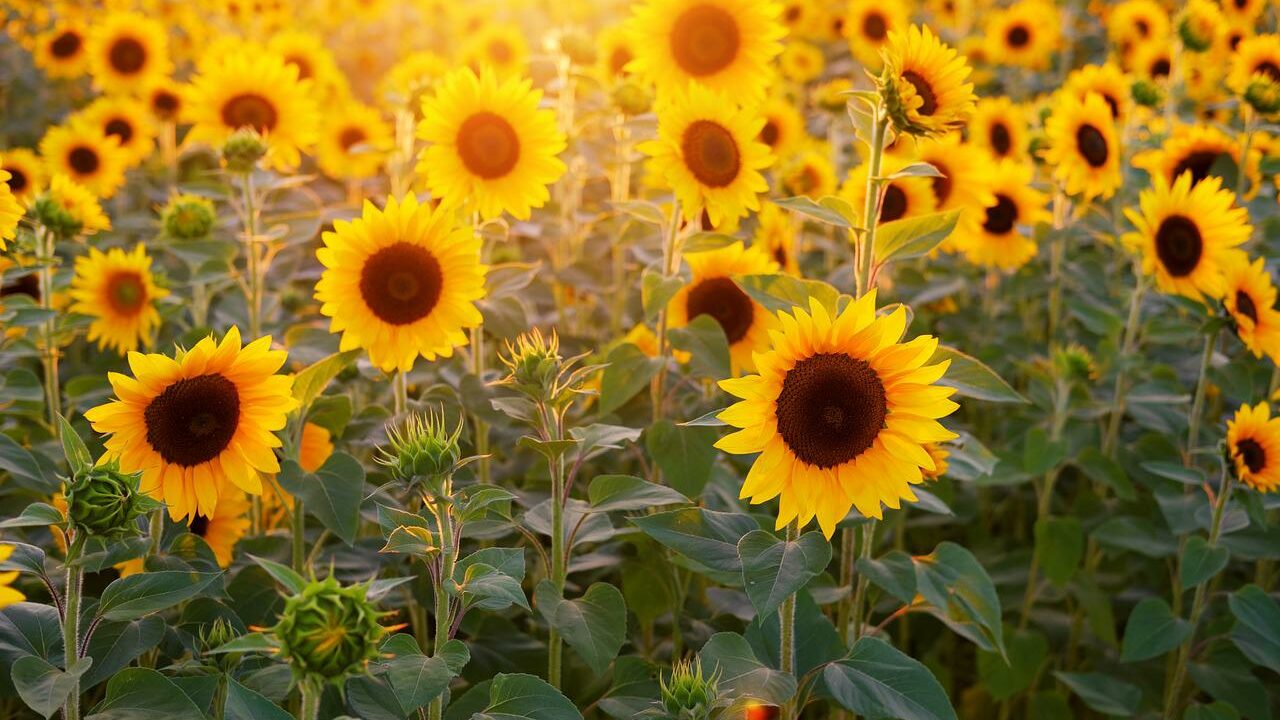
312,380
786,292
1103,692
627,373
704,340
332,494
707,536
1027,650
741,673
609,493
417,679
972,378
525,697
830,210
23,467
1257,630
594,625
913,236
773,569
685,454
1201,561
137,595
1152,630
1060,542
246,704
961,594
877,680
144,694
43,687
116,644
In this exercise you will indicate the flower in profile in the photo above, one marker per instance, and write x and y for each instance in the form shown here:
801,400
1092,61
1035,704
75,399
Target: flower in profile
117,290
1263,94
328,631
1250,299
713,291
1259,54
1082,146
67,209
105,502
8,595
188,217
1188,234
1201,25
490,144
1253,447
11,210
725,45
401,282
709,154
199,422
923,83
126,50
840,414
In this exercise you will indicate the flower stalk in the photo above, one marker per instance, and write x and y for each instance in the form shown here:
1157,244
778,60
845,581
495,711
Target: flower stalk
46,247
1197,403
670,265
786,634
71,621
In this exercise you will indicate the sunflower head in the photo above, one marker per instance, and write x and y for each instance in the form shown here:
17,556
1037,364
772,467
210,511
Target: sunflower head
688,694
188,217
328,632
67,209
243,149
117,290
1146,93
632,97
105,502
1249,298
1253,447
923,84
422,450
1083,146
1074,364
1263,94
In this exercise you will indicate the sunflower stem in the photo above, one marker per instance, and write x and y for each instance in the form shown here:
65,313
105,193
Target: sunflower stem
1174,689
1127,346
71,622
400,393
252,256
860,593
45,242
298,520
553,428
1197,404
448,551
1242,176
311,692
1044,497
871,210
670,264
787,623
481,428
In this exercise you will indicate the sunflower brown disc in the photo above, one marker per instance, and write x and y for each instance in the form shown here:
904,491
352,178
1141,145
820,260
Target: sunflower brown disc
17,180
304,68
705,40
941,184
894,205
929,104
119,127
710,153
831,408
250,110
1179,245
194,419
165,104
350,137
769,134
1245,305
126,292
127,56
199,525
618,60
1018,37
1253,455
1268,68
1002,216
488,145
1198,163
1000,139
66,45
1092,145
722,299
874,26
401,283
83,160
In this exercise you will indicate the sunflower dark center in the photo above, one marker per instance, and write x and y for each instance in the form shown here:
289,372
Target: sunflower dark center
780,255
894,205
1002,216
1252,453
250,110
722,299
199,525
808,179
1241,4
1179,245
941,185
127,56
1198,163
618,60
121,128
1092,145
194,419
164,103
126,292
1113,104
929,102
705,40
1160,68
1144,29
1268,68
792,14
488,145
1001,140
710,153
17,180
1018,36
769,133
500,52
28,285
401,283
1245,306
304,67
874,26
83,160
831,408
350,137
66,45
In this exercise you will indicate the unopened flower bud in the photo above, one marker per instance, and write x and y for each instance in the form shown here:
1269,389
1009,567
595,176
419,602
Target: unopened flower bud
105,502
328,632
243,150
188,217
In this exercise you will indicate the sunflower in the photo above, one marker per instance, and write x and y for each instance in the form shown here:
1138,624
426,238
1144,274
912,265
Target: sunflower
614,51
192,422
776,236
307,52
79,207
713,291
1253,444
225,525
1196,150
315,448
1258,54
707,151
1107,80
1243,12
801,62
840,413
116,289
11,211
26,172
1151,61
867,24
1137,22
163,97
727,45
354,141
128,121
126,50
1026,34
490,145
1250,299
924,83
1188,234
808,172
1000,125
253,89
62,52
500,47
1082,146
406,83
783,129
401,282
903,197
8,595
85,153
964,169
1201,26
997,237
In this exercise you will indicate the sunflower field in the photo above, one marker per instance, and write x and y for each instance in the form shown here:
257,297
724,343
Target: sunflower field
683,359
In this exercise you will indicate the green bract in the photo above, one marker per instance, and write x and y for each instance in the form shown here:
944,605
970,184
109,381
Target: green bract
328,631
105,502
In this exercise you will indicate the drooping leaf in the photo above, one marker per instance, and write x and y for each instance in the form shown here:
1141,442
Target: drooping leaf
877,680
741,673
914,236
43,687
1257,630
972,378
1103,692
594,625
961,594
627,373
143,694
707,536
1152,630
525,697
609,493
684,453
773,569
1201,562
1060,542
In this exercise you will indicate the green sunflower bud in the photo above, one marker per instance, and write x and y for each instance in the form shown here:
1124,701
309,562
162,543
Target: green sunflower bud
1263,94
632,98
534,364
105,502
1196,36
422,450
1074,363
243,150
328,632
188,217
1146,93
215,635
55,218
687,694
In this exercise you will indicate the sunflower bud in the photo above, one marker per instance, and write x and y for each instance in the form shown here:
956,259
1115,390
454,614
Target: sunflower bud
243,150
1263,94
422,450
578,47
1146,93
328,631
632,98
188,217
55,217
534,363
832,95
105,502
215,635
687,695
1199,25
1074,363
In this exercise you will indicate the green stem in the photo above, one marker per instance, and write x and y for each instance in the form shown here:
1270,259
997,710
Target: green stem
787,623
46,244
400,393
559,556
309,709
1128,344
252,256
71,623
871,209
860,593
848,543
1197,404
298,518
1174,691
444,618
484,467
1044,499
670,265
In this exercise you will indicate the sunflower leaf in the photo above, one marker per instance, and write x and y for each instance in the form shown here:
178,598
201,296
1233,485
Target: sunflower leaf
972,378
773,569
913,237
